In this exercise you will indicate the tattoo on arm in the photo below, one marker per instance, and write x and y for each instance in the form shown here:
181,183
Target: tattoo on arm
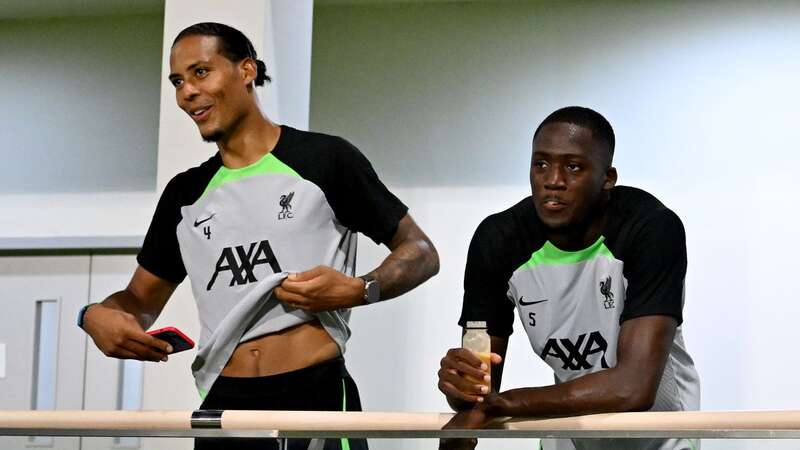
413,260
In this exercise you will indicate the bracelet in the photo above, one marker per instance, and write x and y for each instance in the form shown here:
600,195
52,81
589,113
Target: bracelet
82,313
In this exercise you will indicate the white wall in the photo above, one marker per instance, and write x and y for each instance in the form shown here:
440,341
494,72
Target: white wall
444,98
79,121
80,104
419,82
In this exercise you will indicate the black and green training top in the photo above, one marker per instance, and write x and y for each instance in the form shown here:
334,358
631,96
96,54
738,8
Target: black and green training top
237,232
572,303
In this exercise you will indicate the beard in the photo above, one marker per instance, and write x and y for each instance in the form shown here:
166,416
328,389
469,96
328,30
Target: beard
213,136
222,130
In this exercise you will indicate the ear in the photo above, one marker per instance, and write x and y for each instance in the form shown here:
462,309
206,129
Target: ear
248,70
611,179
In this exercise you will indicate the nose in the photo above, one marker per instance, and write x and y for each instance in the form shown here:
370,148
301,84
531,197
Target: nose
188,92
554,178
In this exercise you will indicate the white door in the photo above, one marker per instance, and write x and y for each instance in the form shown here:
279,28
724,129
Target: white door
42,364
116,384
111,383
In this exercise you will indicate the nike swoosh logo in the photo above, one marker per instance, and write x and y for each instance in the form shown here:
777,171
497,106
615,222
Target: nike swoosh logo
524,303
197,223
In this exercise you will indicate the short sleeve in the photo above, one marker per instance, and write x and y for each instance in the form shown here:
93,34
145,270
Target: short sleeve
359,199
486,283
655,268
160,253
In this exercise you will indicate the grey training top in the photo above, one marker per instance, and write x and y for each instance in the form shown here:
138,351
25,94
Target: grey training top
238,232
571,304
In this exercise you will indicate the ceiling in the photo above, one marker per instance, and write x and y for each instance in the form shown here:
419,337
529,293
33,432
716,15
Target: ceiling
41,9
375,2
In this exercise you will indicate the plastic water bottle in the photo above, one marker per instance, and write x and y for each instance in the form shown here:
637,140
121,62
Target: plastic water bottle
477,340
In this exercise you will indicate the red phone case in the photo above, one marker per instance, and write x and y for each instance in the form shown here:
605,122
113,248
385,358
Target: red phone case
174,337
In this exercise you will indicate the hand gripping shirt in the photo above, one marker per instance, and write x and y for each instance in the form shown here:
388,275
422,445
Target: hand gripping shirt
572,303
237,232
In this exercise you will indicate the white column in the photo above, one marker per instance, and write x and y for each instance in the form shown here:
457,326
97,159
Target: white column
291,69
270,25
281,33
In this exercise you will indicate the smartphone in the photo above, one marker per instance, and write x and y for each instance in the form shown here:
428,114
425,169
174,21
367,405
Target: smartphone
173,337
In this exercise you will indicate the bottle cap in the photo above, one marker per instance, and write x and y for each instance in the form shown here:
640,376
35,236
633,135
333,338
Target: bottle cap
477,324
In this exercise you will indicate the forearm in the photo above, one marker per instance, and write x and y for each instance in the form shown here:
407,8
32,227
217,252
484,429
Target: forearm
607,391
458,404
409,265
126,301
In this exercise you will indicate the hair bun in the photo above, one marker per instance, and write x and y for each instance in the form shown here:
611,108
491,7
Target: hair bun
261,73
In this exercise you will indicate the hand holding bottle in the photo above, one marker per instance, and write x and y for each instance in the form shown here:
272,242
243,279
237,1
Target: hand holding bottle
465,373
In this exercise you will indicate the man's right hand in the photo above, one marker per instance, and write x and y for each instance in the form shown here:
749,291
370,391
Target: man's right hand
456,366
117,334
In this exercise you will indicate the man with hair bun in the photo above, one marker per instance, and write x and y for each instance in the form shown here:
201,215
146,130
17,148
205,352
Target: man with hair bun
266,231
595,272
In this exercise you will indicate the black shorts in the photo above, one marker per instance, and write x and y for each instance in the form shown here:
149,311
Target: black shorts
323,387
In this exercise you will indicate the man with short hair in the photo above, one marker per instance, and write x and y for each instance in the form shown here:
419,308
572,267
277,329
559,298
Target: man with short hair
275,210
596,274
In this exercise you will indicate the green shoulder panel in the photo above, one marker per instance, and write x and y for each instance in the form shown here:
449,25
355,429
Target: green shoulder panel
549,254
267,164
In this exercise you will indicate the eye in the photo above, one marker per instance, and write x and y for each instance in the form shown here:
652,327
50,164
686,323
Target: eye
540,164
200,72
573,167
176,82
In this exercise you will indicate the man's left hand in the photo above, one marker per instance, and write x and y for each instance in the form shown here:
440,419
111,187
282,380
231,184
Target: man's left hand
469,419
321,289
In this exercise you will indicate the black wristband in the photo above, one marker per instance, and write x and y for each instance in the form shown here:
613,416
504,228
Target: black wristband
82,314
372,289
